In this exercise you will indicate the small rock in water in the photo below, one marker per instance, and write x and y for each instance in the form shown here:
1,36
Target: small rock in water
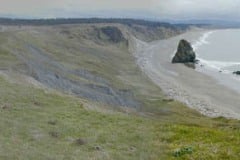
236,72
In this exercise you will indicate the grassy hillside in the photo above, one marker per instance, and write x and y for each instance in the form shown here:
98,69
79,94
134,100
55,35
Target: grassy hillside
36,124
75,92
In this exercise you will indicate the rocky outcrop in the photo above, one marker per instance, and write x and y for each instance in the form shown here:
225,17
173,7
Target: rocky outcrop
112,33
236,72
185,53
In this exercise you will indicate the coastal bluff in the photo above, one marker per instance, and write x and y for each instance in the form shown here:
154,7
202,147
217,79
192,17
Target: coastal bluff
185,53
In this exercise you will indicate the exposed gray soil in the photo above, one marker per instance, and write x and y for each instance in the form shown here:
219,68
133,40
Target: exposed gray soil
52,74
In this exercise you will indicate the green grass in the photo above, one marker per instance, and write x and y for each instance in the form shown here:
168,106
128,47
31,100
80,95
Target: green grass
39,125
207,143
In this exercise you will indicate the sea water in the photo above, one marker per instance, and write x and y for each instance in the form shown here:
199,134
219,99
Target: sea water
218,53
219,50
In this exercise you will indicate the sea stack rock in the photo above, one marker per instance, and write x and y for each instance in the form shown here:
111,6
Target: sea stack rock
185,53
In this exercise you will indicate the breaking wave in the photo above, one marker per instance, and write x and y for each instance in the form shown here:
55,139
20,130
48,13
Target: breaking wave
216,65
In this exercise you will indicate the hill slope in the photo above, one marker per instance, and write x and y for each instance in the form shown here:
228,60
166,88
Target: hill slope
87,60
75,92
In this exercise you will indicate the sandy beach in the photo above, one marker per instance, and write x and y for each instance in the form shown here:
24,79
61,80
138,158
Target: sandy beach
194,88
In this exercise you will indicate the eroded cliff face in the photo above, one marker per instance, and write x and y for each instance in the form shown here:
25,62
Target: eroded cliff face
91,61
111,34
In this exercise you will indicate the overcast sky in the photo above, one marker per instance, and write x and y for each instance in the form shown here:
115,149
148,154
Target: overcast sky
154,9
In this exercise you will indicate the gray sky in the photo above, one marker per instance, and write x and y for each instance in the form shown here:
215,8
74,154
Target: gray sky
155,9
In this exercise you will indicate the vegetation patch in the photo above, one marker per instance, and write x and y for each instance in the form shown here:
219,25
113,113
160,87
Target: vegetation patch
182,151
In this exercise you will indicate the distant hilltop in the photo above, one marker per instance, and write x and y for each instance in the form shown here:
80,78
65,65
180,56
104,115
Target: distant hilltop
57,21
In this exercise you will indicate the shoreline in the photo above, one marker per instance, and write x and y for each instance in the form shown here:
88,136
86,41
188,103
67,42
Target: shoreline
217,68
194,88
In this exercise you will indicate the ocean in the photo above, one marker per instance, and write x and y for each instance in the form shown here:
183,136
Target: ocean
218,53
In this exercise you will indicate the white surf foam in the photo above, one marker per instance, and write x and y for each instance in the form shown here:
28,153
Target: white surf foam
202,40
216,65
